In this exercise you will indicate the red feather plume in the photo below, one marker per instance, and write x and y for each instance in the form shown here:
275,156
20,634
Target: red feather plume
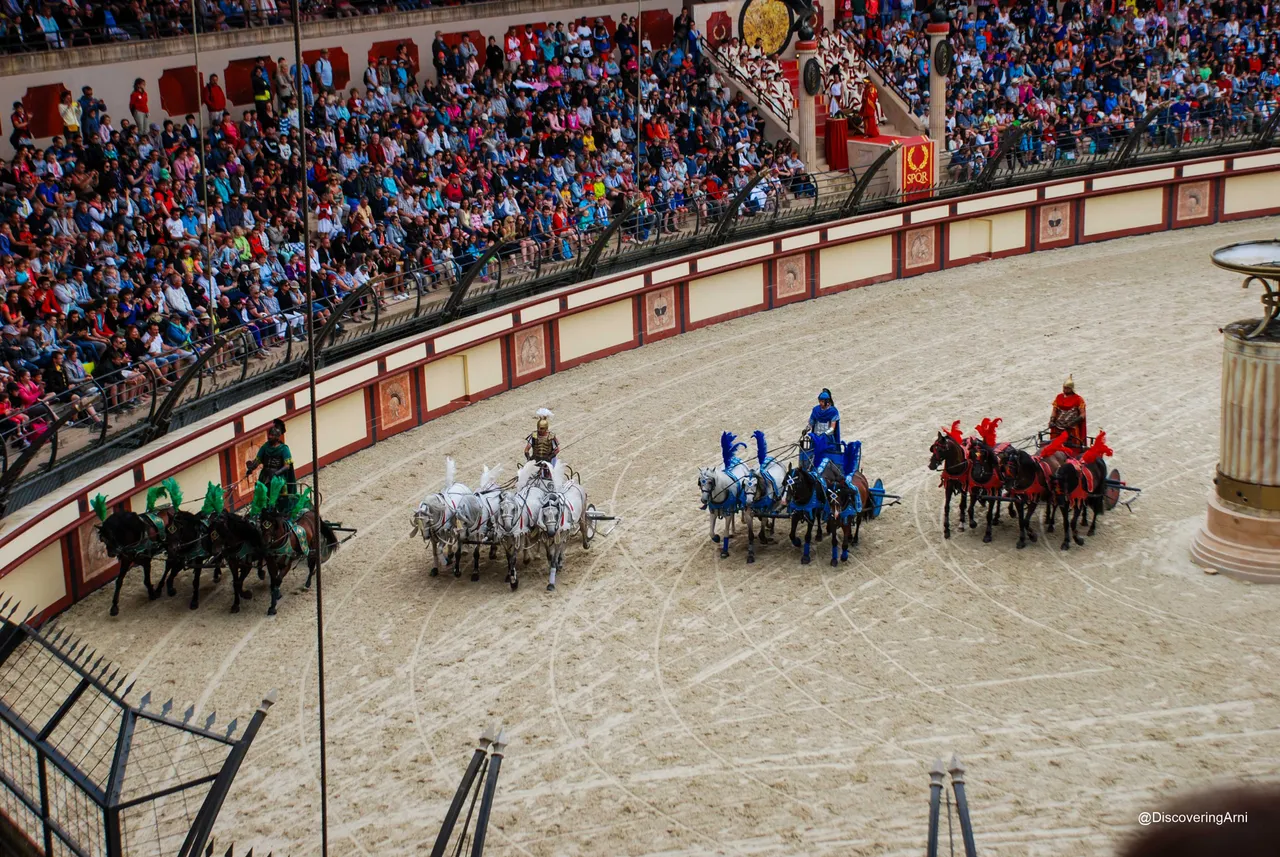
955,432
1058,444
987,430
1097,450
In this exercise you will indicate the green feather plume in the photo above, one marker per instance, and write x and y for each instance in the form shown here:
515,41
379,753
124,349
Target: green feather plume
259,499
214,500
274,490
99,506
174,491
154,494
301,503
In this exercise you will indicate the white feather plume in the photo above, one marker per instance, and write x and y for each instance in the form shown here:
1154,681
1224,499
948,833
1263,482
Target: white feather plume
450,473
525,473
543,412
489,478
557,475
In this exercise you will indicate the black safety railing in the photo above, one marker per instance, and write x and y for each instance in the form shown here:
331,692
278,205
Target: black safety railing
436,289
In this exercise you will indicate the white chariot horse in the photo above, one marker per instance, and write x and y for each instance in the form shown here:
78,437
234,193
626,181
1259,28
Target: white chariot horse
563,516
442,517
530,494
722,489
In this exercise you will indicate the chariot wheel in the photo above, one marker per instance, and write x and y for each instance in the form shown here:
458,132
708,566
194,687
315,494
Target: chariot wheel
1111,496
589,522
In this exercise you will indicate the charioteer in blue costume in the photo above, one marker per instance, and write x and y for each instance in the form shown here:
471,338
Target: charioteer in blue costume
825,419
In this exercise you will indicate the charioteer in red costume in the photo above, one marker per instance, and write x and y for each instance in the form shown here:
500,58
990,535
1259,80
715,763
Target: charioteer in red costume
1069,416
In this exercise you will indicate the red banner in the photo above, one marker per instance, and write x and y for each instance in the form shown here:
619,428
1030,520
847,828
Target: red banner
917,169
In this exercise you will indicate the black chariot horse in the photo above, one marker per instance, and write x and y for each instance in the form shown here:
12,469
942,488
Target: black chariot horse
951,456
286,541
1079,486
806,495
187,545
1028,479
239,543
986,484
134,540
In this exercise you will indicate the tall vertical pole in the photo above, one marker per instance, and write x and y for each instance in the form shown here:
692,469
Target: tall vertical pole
962,807
317,543
639,83
204,177
936,776
938,30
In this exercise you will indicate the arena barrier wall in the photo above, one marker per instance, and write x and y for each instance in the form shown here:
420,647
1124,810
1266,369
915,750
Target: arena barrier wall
49,554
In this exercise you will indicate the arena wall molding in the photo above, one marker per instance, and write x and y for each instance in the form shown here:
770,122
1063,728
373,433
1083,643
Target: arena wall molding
50,556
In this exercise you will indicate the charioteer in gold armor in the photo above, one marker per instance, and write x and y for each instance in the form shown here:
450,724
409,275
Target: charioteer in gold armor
542,446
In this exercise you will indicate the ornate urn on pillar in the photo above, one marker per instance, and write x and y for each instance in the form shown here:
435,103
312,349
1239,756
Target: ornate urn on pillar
1241,535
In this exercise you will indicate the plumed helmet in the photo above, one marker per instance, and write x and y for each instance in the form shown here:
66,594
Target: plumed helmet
277,428
1069,384
544,419
825,396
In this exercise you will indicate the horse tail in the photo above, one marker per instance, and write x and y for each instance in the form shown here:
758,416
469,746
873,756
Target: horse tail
330,539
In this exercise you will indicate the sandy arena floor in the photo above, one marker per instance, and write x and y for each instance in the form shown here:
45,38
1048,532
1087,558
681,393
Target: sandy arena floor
665,701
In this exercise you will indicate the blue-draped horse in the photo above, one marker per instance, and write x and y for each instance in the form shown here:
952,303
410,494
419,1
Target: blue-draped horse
828,488
722,488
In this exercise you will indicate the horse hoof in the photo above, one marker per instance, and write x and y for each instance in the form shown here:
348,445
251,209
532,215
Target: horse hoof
835,563
750,558
262,574
796,543
246,595
457,574
1079,541
1033,537
192,606
551,587
1066,546
724,554
987,538
515,584
435,572
271,611
115,611
475,576
715,539
235,608
844,557
1021,545
153,595
804,560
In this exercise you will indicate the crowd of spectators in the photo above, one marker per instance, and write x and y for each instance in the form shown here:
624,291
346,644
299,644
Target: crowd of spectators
1076,77
117,275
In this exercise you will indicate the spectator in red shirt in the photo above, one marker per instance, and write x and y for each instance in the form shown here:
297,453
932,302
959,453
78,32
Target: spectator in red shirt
140,106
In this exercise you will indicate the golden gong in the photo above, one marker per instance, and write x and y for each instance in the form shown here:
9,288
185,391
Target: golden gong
767,20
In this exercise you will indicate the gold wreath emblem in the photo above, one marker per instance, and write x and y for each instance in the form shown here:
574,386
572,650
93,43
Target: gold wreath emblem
924,158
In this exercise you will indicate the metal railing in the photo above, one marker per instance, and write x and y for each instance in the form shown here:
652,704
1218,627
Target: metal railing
440,291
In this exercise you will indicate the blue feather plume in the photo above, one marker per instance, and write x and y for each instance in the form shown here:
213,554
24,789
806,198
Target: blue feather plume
852,457
728,448
762,449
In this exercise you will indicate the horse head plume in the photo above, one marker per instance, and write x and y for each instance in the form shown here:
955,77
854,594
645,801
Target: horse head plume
274,490
954,432
214,500
489,478
154,493
728,448
174,490
525,473
557,476
99,506
987,430
450,473
301,503
1058,444
259,498
762,448
1098,449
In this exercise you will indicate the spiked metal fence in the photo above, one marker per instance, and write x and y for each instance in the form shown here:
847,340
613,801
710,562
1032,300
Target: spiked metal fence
85,773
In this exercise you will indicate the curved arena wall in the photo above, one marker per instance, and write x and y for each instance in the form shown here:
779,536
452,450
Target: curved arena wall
49,557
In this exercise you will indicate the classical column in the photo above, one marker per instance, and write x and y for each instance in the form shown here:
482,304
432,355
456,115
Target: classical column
938,28
1241,535
806,111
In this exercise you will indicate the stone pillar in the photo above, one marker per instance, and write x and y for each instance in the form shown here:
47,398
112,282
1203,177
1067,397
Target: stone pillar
1241,536
806,111
938,31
